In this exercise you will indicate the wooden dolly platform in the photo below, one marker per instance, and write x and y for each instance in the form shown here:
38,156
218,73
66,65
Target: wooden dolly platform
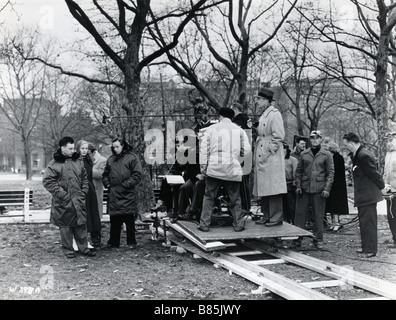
212,240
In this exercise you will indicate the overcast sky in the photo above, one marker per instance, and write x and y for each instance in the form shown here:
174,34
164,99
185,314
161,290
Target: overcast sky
53,16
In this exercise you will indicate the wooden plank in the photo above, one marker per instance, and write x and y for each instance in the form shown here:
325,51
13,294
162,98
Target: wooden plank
207,246
346,274
245,253
374,298
252,231
279,279
323,284
293,292
26,205
267,262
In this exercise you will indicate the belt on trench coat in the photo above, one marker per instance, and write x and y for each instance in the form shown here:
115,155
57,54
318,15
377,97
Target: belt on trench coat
265,138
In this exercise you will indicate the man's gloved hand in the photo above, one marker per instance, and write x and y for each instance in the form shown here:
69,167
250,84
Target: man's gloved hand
325,194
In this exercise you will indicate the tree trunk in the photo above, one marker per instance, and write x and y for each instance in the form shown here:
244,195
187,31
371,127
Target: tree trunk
297,86
381,97
135,135
28,158
242,79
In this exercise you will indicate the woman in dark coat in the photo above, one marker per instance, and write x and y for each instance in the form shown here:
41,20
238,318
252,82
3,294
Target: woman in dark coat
122,173
337,202
91,201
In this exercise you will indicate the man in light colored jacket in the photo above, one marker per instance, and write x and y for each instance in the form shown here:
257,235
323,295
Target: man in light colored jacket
99,164
223,148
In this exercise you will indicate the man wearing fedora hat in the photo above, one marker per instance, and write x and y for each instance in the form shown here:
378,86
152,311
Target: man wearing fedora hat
269,160
221,149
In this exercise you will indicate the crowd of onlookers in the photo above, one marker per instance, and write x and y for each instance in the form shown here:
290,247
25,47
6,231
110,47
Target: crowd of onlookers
299,186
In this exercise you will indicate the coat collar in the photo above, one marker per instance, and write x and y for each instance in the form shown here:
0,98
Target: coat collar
58,156
309,151
270,109
353,156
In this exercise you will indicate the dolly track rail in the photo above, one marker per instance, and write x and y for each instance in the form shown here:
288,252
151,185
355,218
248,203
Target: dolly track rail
378,286
276,283
280,285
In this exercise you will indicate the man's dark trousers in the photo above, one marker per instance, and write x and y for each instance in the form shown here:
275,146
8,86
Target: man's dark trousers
232,188
318,204
368,227
116,222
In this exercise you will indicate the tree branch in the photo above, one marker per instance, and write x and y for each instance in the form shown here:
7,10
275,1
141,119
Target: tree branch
74,74
84,20
258,47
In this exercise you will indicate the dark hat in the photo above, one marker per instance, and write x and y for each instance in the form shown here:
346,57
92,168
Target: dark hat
266,93
200,107
91,147
226,112
315,133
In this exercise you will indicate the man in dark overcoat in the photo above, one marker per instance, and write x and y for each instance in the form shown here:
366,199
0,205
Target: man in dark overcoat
368,184
122,174
66,179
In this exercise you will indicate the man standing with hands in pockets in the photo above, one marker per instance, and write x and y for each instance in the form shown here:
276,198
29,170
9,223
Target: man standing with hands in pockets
269,160
368,184
314,178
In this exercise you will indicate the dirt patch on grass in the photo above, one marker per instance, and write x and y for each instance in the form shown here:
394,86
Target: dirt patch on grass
31,258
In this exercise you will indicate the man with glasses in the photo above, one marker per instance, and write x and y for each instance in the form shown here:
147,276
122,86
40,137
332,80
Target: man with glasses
314,177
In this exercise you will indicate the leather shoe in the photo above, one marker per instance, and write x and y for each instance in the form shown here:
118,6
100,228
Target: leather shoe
89,253
368,254
262,221
273,224
318,244
173,220
187,216
296,243
202,228
238,229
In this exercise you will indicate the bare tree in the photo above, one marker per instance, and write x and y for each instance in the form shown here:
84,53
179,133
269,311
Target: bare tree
121,41
64,113
376,44
23,86
231,37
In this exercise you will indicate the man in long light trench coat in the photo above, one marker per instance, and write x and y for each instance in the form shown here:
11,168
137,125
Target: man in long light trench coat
269,160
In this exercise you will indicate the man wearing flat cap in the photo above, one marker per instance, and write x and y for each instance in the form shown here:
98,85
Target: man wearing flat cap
314,178
221,149
269,160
